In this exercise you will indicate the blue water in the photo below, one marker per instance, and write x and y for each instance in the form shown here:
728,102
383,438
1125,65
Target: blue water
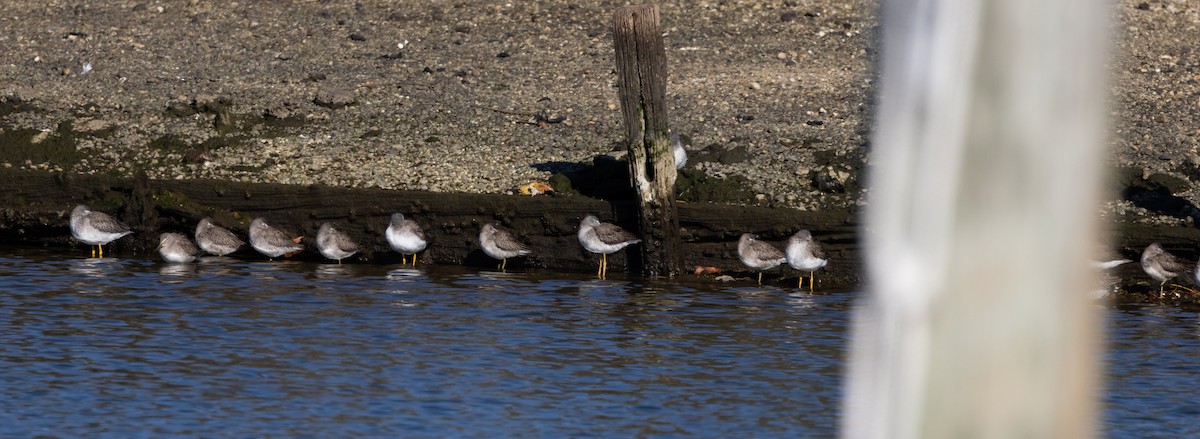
1153,373
229,348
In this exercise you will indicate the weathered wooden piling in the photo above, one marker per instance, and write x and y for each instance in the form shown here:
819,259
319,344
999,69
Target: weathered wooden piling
642,78
989,150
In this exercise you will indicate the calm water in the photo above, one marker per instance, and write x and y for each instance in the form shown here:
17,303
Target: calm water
229,348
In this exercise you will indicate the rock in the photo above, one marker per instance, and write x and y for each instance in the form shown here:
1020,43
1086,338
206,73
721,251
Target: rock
1171,183
91,126
206,103
180,108
39,137
828,180
561,183
333,98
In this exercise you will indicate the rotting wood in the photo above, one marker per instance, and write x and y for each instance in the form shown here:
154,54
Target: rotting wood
641,71
34,209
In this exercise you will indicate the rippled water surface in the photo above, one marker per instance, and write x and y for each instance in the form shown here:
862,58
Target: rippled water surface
134,348
230,348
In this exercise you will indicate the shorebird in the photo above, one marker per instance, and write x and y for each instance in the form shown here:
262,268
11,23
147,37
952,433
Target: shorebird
1160,265
680,153
334,244
758,255
217,240
804,254
96,228
270,241
174,247
603,238
500,244
405,237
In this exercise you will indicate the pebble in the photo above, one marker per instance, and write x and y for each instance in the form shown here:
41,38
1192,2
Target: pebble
40,137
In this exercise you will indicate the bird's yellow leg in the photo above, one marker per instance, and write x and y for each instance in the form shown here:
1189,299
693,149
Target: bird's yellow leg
760,278
402,259
101,249
414,261
503,264
812,279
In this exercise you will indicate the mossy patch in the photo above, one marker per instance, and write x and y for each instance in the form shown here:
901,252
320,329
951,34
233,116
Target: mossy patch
56,147
193,152
698,187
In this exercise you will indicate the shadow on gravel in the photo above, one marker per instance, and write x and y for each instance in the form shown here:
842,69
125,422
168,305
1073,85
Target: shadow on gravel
1156,193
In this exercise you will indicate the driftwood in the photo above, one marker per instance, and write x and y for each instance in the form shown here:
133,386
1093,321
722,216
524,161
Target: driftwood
34,209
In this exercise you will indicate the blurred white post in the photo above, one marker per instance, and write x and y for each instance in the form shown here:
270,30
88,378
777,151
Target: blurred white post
985,180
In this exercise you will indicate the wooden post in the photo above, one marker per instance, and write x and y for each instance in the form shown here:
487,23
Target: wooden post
988,155
642,78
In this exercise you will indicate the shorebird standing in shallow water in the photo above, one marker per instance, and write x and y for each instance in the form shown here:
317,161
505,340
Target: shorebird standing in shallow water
334,244
499,243
1160,265
96,228
758,255
405,237
270,241
804,254
174,247
217,240
603,238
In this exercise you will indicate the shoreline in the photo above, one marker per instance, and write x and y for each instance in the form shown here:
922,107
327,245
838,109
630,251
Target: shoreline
451,221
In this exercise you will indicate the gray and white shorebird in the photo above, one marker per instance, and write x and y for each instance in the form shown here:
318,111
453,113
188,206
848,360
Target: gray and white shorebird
1160,265
804,253
603,238
335,244
96,228
270,241
499,243
216,240
758,255
680,153
405,237
177,248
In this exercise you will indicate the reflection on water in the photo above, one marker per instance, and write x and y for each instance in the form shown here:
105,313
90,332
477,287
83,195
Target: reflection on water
223,347
1153,374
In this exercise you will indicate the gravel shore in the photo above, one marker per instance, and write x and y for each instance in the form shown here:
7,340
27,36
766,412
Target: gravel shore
484,96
